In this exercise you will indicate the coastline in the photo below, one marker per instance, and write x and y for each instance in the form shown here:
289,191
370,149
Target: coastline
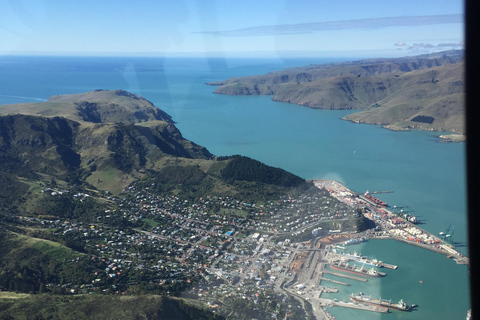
454,137
444,138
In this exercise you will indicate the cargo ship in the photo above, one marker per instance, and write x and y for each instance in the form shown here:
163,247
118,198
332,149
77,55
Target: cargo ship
373,263
369,198
342,266
357,257
361,298
354,255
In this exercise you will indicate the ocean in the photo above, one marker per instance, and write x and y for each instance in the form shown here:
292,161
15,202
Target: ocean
427,177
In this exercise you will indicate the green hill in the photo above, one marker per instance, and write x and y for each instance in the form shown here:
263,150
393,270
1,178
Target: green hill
100,307
99,106
105,138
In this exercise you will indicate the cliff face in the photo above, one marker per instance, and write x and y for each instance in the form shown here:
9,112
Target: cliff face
44,145
394,91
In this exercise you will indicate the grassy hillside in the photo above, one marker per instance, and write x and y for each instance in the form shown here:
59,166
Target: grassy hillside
104,138
94,106
430,99
106,307
225,176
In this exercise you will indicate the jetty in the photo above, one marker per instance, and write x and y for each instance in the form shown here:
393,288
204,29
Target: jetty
329,289
374,263
352,305
335,281
345,276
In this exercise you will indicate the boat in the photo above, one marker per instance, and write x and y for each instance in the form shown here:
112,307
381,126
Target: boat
342,266
377,202
357,257
354,241
354,255
361,298
413,219
373,263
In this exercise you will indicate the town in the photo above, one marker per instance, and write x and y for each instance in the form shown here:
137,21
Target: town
265,259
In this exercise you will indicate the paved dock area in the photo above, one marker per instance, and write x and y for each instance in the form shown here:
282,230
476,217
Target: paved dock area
329,289
335,281
352,305
390,266
388,220
345,276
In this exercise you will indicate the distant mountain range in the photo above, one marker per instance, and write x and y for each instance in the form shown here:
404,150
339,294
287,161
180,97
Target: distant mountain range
420,92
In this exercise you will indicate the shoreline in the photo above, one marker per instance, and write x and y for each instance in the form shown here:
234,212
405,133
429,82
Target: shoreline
452,136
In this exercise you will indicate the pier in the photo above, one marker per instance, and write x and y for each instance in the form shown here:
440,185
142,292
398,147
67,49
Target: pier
335,281
329,289
364,260
379,264
345,276
351,305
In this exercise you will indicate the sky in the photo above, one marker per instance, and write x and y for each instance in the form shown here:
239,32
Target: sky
230,28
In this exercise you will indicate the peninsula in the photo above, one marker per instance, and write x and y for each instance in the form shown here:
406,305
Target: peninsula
421,92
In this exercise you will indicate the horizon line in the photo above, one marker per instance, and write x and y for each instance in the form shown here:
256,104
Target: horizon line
226,54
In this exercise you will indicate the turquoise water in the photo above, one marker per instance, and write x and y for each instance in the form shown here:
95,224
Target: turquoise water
438,297
427,177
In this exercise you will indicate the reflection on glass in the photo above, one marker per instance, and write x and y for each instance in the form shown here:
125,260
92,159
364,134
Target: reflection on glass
384,211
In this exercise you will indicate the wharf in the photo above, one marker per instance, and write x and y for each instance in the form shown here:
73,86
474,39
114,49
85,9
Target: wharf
334,303
379,264
335,281
329,289
345,276
449,252
390,266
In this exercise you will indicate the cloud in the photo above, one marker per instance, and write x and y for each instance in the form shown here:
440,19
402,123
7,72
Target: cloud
421,46
431,46
302,28
400,44
448,45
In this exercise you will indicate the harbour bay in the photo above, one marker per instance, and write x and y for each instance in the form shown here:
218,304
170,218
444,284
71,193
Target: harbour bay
427,177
